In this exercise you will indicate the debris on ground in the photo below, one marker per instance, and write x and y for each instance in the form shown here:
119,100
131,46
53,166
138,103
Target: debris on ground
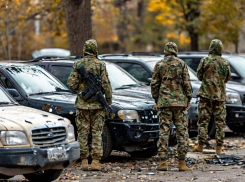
225,160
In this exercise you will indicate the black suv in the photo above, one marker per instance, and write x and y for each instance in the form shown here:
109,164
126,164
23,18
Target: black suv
135,126
141,65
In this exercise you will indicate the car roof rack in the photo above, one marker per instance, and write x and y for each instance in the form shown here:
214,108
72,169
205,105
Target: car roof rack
50,58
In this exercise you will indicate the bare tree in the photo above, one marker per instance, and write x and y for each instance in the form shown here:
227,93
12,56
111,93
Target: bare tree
78,23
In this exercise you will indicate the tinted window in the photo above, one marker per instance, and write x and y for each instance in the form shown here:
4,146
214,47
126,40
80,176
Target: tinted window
136,70
61,72
119,77
5,82
192,62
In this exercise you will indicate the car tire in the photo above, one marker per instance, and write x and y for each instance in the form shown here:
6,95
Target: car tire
47,175
211,128
2,176
107,142
145,153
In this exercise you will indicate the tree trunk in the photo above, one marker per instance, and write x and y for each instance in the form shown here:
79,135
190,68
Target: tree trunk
78,23
236,47
194,41
8,33
140,13
122,31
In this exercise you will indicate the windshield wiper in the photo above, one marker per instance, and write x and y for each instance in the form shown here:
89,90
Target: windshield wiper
127,86
40,93
58,89
6,103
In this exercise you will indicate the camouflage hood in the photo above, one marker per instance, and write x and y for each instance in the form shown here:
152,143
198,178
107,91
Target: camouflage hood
216,47
90,48
171,49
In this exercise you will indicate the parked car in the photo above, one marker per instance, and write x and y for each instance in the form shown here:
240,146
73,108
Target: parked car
51,52
134,129
34,143
141,65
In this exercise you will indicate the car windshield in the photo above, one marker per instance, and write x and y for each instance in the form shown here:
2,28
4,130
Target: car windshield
4,98
237,62
118,77
34,79
192,73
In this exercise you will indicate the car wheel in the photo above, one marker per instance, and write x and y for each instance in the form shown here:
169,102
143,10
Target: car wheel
47,175
211,128
145,153
107,142
2,176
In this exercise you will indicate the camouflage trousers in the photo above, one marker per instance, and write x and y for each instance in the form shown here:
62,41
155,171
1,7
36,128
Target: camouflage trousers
206,108
86,120
166,117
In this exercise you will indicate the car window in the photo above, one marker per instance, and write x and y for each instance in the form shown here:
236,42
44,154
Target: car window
5,82
192,62
118,77
136,70
61,72
34,79
232,69
236,63
4,97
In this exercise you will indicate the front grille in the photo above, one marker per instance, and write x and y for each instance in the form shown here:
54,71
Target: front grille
48,136
148,116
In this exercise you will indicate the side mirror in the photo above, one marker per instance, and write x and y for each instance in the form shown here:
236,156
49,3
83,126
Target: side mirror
15,94
234,76
149,80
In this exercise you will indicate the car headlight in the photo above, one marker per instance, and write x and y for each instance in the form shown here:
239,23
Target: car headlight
233,98
71,134
129,115
13,138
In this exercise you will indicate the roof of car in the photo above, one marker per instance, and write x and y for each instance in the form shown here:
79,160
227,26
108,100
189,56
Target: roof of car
134,56
11,64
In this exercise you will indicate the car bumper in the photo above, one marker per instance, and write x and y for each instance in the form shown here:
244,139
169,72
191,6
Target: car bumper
29,160
130,134
235,114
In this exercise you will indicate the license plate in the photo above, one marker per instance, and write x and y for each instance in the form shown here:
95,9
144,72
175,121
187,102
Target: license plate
56,154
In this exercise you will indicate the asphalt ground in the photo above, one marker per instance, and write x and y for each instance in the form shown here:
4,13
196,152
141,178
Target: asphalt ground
122,167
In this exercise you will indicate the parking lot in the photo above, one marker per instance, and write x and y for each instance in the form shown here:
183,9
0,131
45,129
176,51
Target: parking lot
122,167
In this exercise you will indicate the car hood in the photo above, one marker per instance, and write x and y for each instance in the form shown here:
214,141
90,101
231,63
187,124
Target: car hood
235,86
25,118
120,100
144,92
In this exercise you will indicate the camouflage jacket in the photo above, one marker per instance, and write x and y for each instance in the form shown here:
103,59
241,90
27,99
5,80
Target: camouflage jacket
78,84
214,72
170,84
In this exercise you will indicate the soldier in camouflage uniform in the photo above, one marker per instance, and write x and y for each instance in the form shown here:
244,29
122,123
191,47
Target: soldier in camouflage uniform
214,72
172,91
90,113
